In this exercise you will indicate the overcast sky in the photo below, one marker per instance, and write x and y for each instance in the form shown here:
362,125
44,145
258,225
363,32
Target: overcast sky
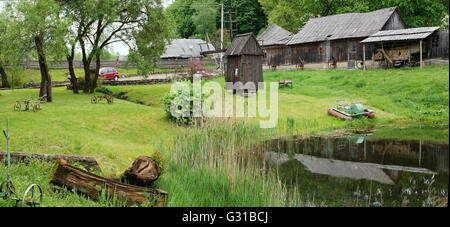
116,47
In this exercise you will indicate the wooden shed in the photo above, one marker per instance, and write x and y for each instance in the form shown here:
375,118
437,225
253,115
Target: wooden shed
244,62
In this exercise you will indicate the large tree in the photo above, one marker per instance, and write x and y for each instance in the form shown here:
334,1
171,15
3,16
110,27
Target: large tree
182,12
41,25
114,21
204,17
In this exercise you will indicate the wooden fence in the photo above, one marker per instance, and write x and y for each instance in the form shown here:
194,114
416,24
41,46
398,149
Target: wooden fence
163,63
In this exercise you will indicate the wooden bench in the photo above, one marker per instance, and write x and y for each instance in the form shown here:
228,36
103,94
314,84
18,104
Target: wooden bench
285,83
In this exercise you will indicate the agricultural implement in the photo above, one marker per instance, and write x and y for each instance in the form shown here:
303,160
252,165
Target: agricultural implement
350,111
28,104
32,196
97,99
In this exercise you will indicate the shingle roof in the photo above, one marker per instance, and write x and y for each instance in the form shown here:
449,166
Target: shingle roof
274,35
186,48
401,34
242,44
342,26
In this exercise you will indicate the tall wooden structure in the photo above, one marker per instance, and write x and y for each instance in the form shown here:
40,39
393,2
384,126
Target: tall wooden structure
244,62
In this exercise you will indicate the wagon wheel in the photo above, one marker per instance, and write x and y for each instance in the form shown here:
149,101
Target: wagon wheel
32,196
8,188
27,106
332,64
359,64
94,100
110,100
17,106
36,107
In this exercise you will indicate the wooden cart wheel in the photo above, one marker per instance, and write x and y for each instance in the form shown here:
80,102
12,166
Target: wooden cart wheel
110,100
8,188
94,100
27,106
36,107
17,106
32,196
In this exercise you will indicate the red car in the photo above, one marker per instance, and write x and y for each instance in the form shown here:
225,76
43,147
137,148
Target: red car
109,74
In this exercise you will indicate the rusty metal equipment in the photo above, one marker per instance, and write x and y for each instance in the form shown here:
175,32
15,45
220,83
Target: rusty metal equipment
28,104
33,194
99,98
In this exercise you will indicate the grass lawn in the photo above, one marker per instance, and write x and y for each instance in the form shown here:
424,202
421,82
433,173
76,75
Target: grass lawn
116,134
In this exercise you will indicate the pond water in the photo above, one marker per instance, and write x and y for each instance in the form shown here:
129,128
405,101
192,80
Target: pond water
361,170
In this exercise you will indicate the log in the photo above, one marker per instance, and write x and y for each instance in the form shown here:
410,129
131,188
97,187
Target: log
143,172
65,175
87,162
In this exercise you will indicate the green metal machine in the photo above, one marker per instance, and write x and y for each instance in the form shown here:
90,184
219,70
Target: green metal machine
32,196
349,111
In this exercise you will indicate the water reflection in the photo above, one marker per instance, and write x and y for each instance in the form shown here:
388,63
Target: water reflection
362,170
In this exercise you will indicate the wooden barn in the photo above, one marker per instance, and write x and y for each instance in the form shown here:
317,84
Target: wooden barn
273,41
410,47
244,62
336,39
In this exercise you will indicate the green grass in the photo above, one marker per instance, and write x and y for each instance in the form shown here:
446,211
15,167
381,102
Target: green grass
216,165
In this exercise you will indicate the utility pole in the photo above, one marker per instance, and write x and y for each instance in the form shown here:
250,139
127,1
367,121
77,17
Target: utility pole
221,41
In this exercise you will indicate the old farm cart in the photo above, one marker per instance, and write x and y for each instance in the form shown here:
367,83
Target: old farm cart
97,99
28,104
32,196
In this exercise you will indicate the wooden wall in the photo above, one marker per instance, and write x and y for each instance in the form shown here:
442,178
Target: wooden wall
395,22
316,52
436,45
249,69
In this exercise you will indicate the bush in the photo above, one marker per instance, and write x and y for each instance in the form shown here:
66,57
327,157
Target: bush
169,98
104,90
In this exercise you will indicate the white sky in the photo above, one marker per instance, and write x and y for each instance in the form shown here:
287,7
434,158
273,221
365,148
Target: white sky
116,47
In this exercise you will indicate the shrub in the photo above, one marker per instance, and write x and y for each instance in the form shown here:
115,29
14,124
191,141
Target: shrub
170,98
104,90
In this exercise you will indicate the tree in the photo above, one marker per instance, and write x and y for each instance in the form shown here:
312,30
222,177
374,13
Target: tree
77,12
250,15
40,23
149,42
182,12
204,17
114,21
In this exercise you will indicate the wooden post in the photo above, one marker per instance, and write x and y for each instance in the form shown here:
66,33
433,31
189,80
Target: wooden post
364,56
421,62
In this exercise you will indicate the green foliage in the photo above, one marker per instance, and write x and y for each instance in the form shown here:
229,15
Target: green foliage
204,17
181,12
187,117
444,23
104,90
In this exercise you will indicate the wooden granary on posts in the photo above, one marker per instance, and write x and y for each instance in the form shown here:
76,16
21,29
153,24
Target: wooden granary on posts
244,63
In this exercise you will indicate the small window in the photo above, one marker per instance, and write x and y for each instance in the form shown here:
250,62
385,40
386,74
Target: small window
288,52
435,41
352,46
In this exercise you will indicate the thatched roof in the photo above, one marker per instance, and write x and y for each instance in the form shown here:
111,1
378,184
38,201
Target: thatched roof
186,48
274,35
401,35
244,44
343,26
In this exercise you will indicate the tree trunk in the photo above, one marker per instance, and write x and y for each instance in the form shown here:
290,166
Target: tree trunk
87,162
46,82
86,67
70,177
97,69
73,78
143,172
5,82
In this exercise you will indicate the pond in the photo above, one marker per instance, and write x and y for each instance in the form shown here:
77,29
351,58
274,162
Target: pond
361,170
